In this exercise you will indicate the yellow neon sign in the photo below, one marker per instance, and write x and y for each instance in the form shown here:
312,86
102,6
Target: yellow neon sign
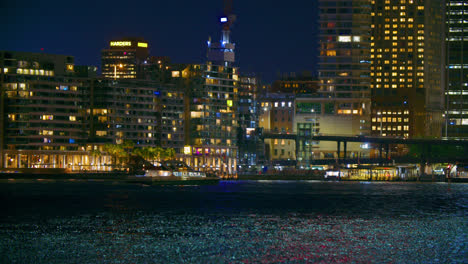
120,43
142,44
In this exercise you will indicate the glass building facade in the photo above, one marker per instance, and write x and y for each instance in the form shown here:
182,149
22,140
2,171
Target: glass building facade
344,50
456,94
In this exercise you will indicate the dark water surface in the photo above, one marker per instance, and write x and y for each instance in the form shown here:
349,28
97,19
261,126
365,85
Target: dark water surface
234,222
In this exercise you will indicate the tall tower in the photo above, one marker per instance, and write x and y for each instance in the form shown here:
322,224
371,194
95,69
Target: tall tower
344,61
407,68
213,105
222,52
456,94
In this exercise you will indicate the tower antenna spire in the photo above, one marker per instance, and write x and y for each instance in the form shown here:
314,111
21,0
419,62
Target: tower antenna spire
222,52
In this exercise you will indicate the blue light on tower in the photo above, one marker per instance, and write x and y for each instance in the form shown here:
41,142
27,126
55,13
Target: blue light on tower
223,19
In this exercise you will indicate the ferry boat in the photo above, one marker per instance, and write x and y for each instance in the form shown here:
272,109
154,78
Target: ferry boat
177,171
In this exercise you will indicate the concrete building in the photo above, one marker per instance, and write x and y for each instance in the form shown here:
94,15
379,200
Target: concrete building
43,111
62,120
277,116
407,54
456,94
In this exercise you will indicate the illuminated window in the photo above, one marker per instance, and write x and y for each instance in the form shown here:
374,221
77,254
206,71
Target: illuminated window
72,118
344,38
101,133
331,53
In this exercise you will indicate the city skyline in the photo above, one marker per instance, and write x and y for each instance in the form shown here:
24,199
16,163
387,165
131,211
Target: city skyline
262,30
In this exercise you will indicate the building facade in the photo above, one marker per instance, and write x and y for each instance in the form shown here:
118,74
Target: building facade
344,65
125,59
58,118
277,116
456,94
248,141
407,57
43,109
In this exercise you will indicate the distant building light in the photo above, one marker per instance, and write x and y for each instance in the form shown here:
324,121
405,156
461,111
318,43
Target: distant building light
142,45
120,43
223,19
344,38
187,150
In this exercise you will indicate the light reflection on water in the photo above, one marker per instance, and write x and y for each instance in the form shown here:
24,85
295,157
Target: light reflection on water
234,222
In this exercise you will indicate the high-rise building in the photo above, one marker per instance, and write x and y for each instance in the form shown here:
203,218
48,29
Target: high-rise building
145,112
456,94
247,137
42,110
125,58
407,55
341,105
55,117
344,56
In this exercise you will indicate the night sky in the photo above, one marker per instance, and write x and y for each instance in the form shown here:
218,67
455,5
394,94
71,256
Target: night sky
271,36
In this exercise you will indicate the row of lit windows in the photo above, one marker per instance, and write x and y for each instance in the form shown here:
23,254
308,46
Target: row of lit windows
405,112
395,32
399,80
394,86
348,112
404,38
391,128
276,104
401,68
390,119
283,142
401,74
295,85
31,72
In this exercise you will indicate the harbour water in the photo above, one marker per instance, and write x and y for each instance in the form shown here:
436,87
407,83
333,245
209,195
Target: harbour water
234,222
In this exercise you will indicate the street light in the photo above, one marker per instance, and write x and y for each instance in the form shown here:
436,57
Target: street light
115,70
